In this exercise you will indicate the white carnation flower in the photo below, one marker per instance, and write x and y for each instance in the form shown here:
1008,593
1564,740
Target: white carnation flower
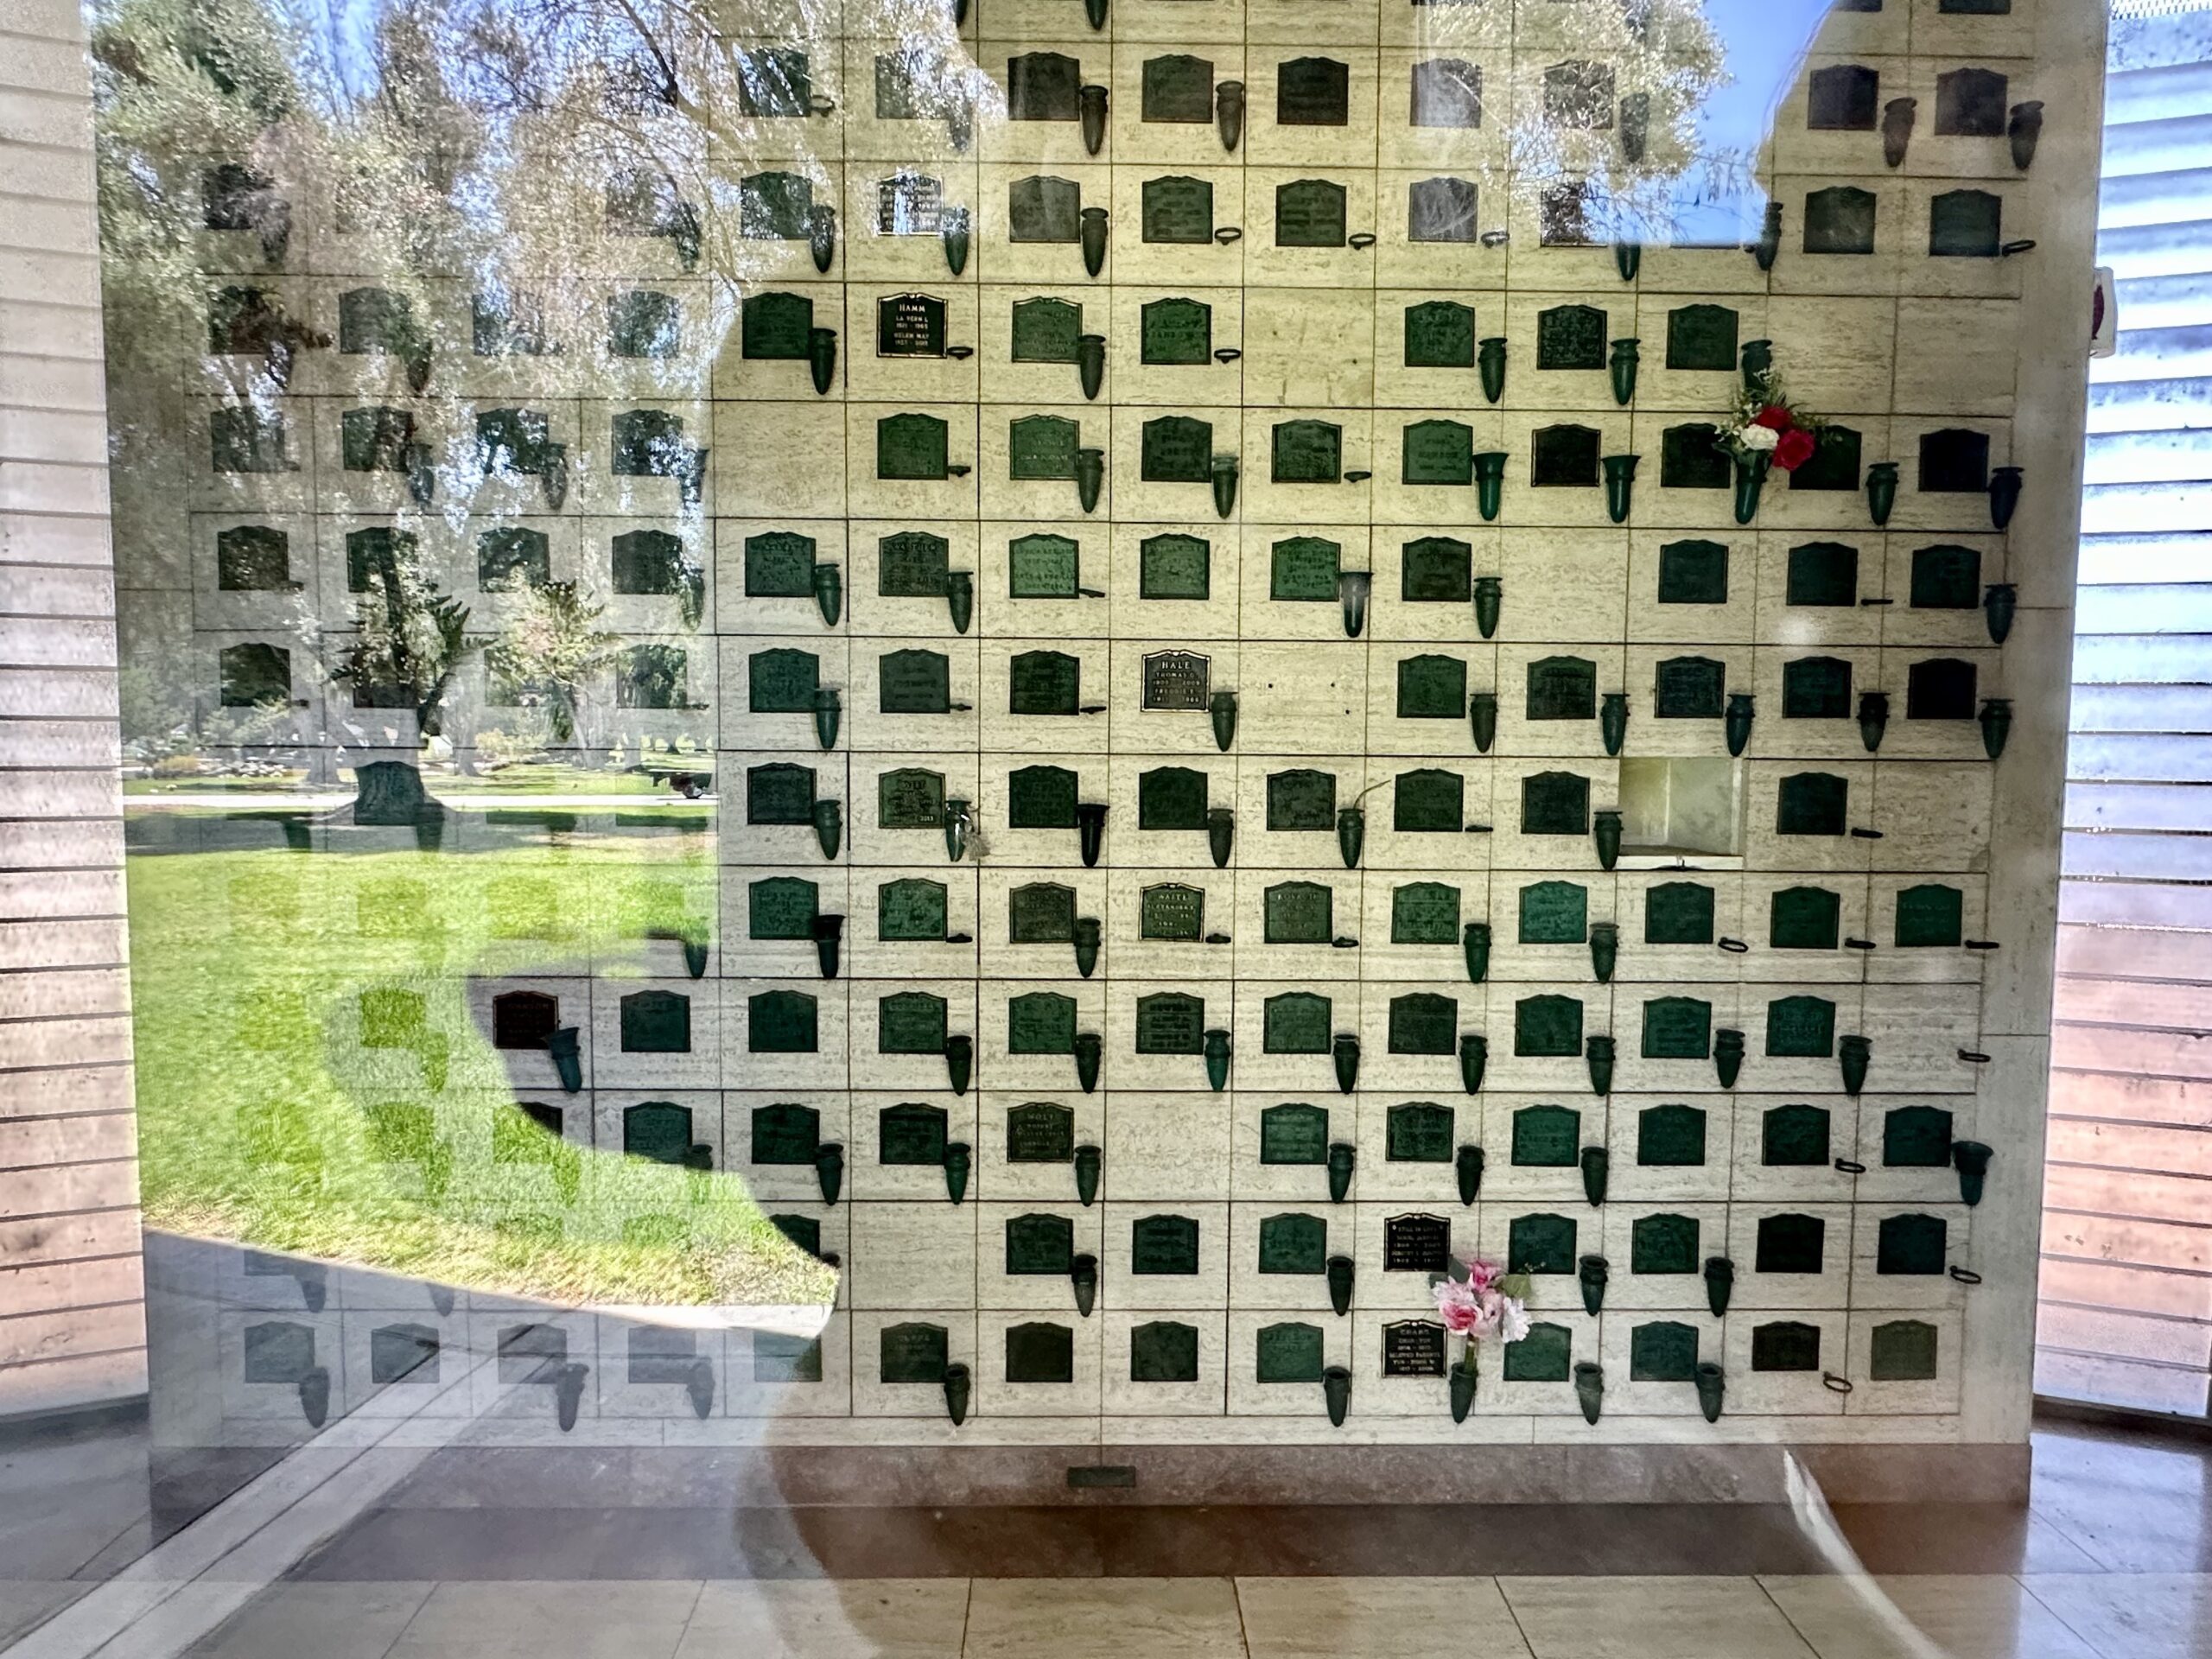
1758,437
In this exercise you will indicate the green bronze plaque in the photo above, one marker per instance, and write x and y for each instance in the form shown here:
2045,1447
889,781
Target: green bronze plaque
1304,568
1416,1244
1301,800
911,1353
1543,1356
1946,577
1294,1133
910,325
1310,214
1177,209
1664,1243
1164,1351
1441,210
1539,1243
913,682
1954,460
1039,1245
776,326
1564,457
1554,803
1178,88
1811,804
1800,1027
1313,92
1171,1022
1915,1137
1039,1132
1307,452
772,81
1175,332
1904,1351
1701,337
1429,801
1794,1136
1804,918
910,798
1432,687
1930,914
1689,688
1571,337
1909,1245
1041,447
1436,452
1040,1352
1420,1132
909,204
1043,567
1546,1137
658,1131
404,1353
1446,92
1046,329
1562,688
1172,911
1044,683
1677,1028
910,446
1296,1022
804,1231
781,1022
1941,688
1042,913
911,1134
912,908
1547,1027
785,1133
1043,86
780,564
909,1022
1425,912
1790,1244
656,1022
1040,1022
1823,573
1289,1353
1041,797
1555,912
1690,458
1843,98
1839,219
1671,1135
1171,798
1412,1348
1966,224
782,682
280,1350
1693,573
1299,912
1834,464
910,564
1176,449
1044,209
1579,96
1174,567
1436,570
781,908
1662,1350
1439,334
1422,1022
1293,1244
1164,1244
1786,1345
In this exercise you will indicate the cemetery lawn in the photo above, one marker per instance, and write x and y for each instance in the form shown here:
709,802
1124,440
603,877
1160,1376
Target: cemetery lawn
312,1076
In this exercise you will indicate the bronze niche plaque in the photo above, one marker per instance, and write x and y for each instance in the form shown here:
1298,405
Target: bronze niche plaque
1422,1022
1171,1022
1811,804
1425,912
1563,457
1571,337
1420,1132
1916,1137
1041,447
1579,96
1786,1345
1296,1022
913,683
1299,912
910,446
1174,332
1929,914
1432,687
1902,1351
1178,88
1439,334
1801,1027
1171,798
1040,1352
772,81
1946,577
1039,1245
1310,214
1436,570
1446,92
912,1133
909,1022
1689,688
1547,1027
1554,803
1416,1244
1436,452
911,1353
1543,1356
785,1133
1790,1244
1940,688
1176,449
781,1022
775,326
1043,913
1822,572
1177,679
1164,1244
782,682
1954,460
1313,92
1412,1348
1671,1136
1040,1022
1562,688
1839,219
910,564
1690,458
1834,464
779,793
1293,1244
1175,566
1804,918
1794,1137
1665,1243
775,206
1701,337
910,909
1043,86
1172,911
1662,1350
1301,800
1307,452
1304,568
910,798
1039,1132
1555,912
1546,1137
1970,104
909,204
1043,567
1164,1351
1541,1243
1046,329
1294,1133
1042,798
898,78
1441,210
1177,209
1044,683
780,564
1042,208
1677,1028
1966,224
1429,800
1293,1352
1678,912
1842,98
1816,688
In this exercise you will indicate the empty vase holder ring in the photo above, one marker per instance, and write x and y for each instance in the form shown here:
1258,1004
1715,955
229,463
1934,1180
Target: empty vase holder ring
1360,240
1226,354
1229,234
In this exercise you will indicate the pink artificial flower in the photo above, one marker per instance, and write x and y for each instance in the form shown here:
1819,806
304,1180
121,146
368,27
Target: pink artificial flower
1483,1275
1457,1306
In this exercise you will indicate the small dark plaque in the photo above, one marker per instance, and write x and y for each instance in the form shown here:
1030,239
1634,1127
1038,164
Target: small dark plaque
911,1134
1554,803
280,1351
785,1133
1041,208
1294,1133
1420,1132
1811,804
1043,86
1306,452
1839,219
1571,337
1691,459
910,564
1177,209
909,446
1794,1136
1946,577
1834,464
1689,688
1301,800
1175,332
1562,688
781,1022
1164,1244
1539,1243
1693,573
1665,1243
912,908
1422,1022
1176,449
1555,912
1954,460
1930,914
1662,1350
1040,1352
1800,1027
779,564
1543,1356
1678,912
1178,88
1823,573
1174,567
1547,1027
1441,210
1412,1348
1425,912
1041,447
1041,913
1039,1132
1171,798
775,206
1172,911
1816,688
1563,215
911,1353
1786,1345
1177,680
656,1022
1042,798
1296,1022
1045,330
1164,1351
909,204
1546,1137
772,81
1432,687
1701,337
1429,801
1441,334
897,77
1289,1353
1970,104
1040,1022
1171,1022
1299,912
1436,452
782,682
910,798
804,1232
1313,92
1436,570
1940,688
1670,1136
781,908
775,326
909,1022
404,1353
913,682
527,1353
1564,457
1916,1137
1677,1028
1579,96
1293,1244
1310,214
1904,1351
1043,567
910,325
1416,1244
1790,1244
1039,1245
1446,92
1804,918
1843,98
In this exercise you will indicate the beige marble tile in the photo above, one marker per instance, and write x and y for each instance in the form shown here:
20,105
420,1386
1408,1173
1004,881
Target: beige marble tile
893,1618
512,1619
2132,1616
346,1621
1108,1619
1350,1618
1650,1618
1961,1616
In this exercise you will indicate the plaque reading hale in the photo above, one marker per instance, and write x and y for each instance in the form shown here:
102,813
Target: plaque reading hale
1429,800
1664,1243
1042,913
1310,214
1171,910
1296,1022
1174,332
1293,1244
1313,92
1441,210
775,206
1563,456
1043,567
1044,209
1678,912
1177,209
911,1133
1701,337
1940,688
1040,1352
1412,1348
1425,912
1800,1027
1929,914
1294,1133
1420,1132
910,446
1164,1244
1046,329
781,1022
1811,804
1041,447
1446,92
1689,688
779,793
1804,918
1416,1244
1662,1350
1822,572
1677,1028
1794,1136
1436,452
1174,567
1439,334
1539,1243
1946,577
1171,1022
909,1022
1954,460
775,326
910,798
1043,86
911,1353
779,564
1299,912
1432,687
1916,1137
1422,1022
1292,1353
1171,798
913,682
1177,679
1547,1027
1176,449
1555,912
1178,88
910,564
1042,798
1039,1132
1690,458
1436,570
785,1133
1040,1022
1301,800
1164,1351
1909,1245
1044,683
1816,688
1571,337
782,682
910,325
909,204
1562,688
1039,1245
1554,803
1670,1136
910,909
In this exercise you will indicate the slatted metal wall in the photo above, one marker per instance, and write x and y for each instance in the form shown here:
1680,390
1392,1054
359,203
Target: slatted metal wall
2125,1312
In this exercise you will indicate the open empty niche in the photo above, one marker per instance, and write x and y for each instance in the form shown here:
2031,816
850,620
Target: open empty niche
1688,807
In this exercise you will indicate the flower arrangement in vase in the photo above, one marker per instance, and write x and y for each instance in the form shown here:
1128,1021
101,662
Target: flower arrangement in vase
1479,1302
1764,429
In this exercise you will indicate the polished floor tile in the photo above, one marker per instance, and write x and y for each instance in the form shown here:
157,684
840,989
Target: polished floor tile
1682,1617
331,1621
1958,1538
1959,1617
2133,1503
27,1602
1377,1618
1104,1619
520,1620
854,1618
2132,1615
